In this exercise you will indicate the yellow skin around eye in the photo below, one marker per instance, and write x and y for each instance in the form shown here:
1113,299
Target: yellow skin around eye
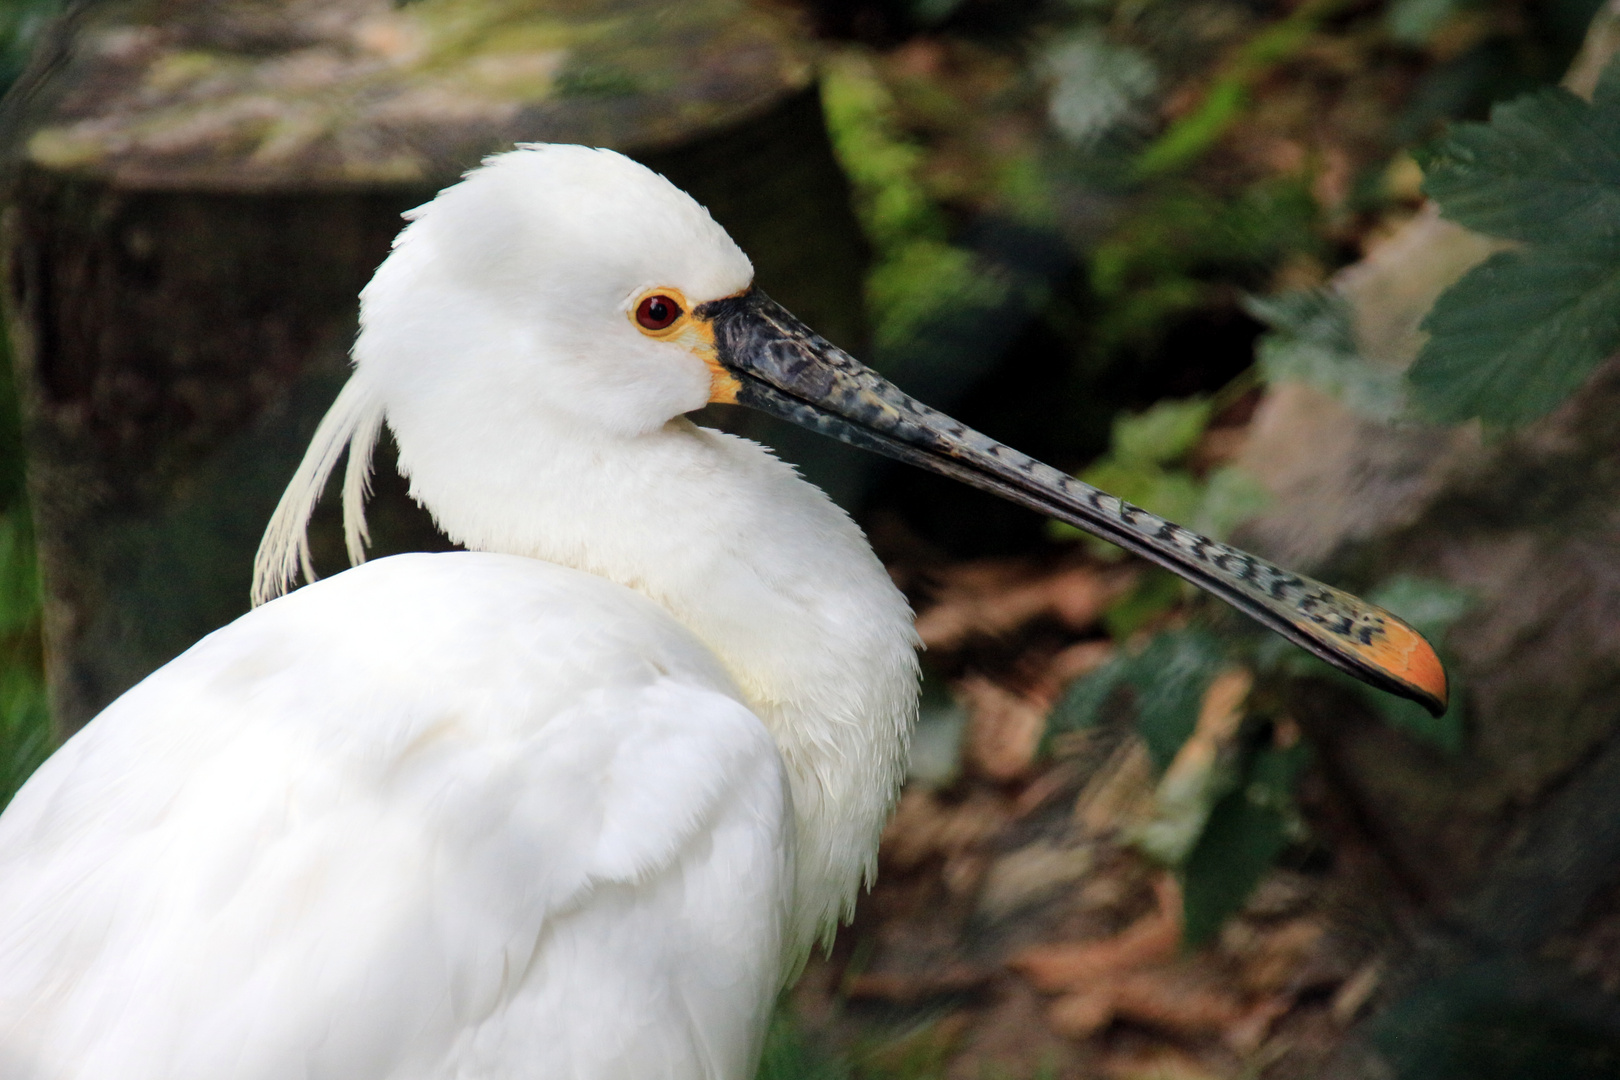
697,336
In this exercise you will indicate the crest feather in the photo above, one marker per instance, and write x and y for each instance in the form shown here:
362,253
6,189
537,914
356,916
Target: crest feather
353,423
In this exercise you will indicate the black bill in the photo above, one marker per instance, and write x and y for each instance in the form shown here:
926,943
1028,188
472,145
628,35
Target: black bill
785,369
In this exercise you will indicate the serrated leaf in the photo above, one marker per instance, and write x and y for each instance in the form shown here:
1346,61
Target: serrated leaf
1546,168
1245,833
1519,333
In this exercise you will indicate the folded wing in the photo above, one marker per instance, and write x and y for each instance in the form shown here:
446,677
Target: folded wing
424,820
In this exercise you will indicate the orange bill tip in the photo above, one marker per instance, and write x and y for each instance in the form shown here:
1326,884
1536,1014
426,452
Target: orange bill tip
1406,657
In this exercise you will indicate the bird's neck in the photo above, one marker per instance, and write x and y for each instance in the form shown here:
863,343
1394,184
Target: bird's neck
764,569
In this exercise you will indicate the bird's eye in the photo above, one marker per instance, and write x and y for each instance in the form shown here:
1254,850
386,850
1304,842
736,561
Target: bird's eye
657,312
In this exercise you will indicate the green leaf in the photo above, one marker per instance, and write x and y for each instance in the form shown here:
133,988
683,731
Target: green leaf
882,163
1413,22
1432,607
1170,677
1519,333
789,1055
1163,434
1231,496
1156,593
918,280
1245,833
1545,169
1083,702
1312,341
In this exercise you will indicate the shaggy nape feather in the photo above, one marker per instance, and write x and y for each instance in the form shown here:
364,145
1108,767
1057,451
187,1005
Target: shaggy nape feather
353,423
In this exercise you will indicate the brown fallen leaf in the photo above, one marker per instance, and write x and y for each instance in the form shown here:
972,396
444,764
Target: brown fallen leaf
1083,1013
908,988
1004,729
925,826
1120,795
1274,960
1031,873
1044,787
1178,1000
1355,992
1188,1004
1081,658
1076,966
994,598
1157,1063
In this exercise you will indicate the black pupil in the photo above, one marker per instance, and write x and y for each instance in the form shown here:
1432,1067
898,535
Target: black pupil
657,312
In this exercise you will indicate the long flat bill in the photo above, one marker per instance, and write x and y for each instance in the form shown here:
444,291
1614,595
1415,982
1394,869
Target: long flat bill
781,367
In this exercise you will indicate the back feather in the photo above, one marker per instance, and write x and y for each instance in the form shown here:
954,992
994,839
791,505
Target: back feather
353,424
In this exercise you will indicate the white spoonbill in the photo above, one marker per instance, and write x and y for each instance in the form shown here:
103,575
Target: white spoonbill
576,802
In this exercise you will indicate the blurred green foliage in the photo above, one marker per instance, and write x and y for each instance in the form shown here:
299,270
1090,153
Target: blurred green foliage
1500,1019
1147,464
917,273
1311,341
25,728
1224,824
791,1055
1245,831
1182,248
1229,93
915,1051
21,22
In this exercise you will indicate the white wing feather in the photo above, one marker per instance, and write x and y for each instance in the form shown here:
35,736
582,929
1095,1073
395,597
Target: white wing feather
442,816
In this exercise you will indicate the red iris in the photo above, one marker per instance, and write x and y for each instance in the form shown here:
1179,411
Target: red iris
657,312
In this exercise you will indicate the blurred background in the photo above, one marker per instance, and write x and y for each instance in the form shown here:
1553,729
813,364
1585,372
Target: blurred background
1336,279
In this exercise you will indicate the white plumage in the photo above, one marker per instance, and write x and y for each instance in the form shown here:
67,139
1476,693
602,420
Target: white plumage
571,804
